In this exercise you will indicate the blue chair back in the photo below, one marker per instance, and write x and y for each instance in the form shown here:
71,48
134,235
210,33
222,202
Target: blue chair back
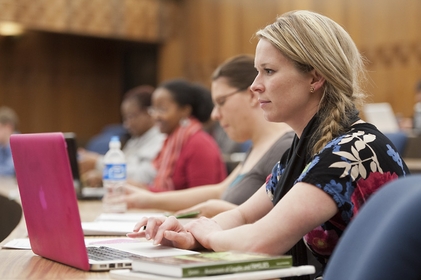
398,139
384,240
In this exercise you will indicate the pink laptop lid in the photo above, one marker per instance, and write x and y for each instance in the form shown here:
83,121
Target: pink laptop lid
48,198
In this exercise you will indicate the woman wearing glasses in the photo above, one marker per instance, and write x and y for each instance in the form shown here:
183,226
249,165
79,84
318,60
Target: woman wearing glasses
238,112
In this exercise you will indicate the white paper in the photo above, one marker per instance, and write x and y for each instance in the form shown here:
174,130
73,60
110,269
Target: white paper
127,217
107,228
18,243
147,249
25,244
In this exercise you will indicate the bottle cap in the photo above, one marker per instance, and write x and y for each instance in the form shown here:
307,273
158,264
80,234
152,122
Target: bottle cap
115,142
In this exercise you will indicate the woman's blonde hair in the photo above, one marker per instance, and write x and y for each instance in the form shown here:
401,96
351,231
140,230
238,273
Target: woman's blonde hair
313,41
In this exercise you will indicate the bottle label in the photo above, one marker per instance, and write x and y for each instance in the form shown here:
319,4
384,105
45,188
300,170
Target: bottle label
114,172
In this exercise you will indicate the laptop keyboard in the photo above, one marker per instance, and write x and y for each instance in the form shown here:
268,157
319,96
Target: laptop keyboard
107,254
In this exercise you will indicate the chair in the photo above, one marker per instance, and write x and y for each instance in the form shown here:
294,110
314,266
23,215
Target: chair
99,143
10,215
399,139
384,240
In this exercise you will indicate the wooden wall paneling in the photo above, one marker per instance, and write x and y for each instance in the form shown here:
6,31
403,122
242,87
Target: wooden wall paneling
252,21
172,53
383,55
336,10
94,17
140,65
398,43
42,14
230,23
234,25
354,18
139,19
8,10
89,84
200,38
391,55
60,83
290,5
194,36
409,35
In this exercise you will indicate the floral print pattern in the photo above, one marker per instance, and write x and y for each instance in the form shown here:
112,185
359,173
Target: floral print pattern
350,168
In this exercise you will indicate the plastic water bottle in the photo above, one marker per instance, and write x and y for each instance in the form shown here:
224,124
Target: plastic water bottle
114,177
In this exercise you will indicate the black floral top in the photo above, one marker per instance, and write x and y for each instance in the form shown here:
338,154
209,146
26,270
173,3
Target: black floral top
349,168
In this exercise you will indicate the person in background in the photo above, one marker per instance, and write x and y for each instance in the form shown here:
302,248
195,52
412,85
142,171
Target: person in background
309,76
141,148
189,157
225,143
237,109
8,125
100,142
232,152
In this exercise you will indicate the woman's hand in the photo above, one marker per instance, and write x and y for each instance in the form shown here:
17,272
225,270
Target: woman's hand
87,160
165,231
133,196
92,178
202,230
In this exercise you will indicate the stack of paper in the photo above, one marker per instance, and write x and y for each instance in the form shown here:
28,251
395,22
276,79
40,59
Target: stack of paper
115,224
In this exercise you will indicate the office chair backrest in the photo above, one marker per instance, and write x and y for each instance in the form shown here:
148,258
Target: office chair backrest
399,139
10,215
384,240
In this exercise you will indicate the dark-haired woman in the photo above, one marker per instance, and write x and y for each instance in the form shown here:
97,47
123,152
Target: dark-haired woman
190,157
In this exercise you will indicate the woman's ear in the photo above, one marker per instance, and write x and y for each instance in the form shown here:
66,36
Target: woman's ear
187,111
317,81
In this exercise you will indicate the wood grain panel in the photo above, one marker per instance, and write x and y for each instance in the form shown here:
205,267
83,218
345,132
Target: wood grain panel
139,20
66,83
63,82
386,32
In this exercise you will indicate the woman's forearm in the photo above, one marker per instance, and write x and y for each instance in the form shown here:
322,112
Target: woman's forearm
178,200
182,199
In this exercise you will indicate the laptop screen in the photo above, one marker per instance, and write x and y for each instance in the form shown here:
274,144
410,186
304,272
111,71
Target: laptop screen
48,197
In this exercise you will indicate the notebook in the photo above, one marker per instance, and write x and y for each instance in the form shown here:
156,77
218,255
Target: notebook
127,274
82,191
51,211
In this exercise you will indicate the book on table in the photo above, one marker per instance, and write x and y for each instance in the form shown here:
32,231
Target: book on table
210,263
293,271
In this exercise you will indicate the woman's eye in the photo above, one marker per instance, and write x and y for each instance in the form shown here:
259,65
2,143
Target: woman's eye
269,71
220,102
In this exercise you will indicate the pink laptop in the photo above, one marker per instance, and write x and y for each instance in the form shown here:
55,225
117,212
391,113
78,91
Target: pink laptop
48,198
51,211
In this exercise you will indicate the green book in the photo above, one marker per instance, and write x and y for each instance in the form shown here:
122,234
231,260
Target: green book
210,263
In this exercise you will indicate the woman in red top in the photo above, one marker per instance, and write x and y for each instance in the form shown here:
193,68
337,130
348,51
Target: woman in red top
190,157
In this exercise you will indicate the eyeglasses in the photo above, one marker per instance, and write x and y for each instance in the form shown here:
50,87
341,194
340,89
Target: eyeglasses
156,111
220,100
131,117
